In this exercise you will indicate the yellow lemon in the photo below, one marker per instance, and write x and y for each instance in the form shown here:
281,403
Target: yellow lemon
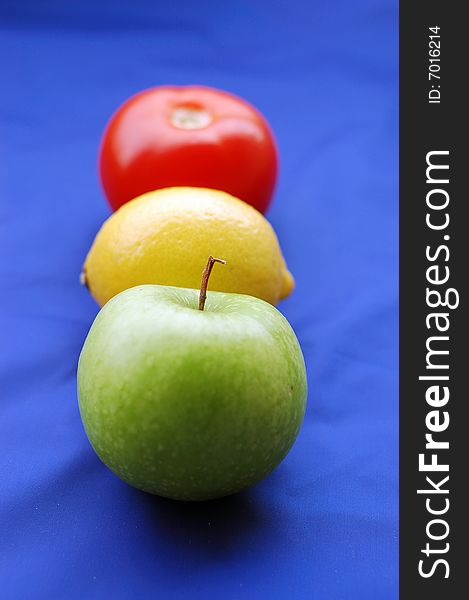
165,237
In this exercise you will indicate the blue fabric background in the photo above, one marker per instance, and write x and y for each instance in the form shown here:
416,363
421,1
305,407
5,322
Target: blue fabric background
324,525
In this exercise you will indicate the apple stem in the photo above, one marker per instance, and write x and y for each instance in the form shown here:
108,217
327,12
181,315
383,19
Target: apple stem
205,277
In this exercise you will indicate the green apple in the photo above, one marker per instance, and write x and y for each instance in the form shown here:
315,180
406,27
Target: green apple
186,403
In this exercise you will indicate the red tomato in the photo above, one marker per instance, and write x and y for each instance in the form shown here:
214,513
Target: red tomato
194,136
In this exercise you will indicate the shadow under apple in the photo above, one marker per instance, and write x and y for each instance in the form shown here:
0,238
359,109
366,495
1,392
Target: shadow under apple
214,527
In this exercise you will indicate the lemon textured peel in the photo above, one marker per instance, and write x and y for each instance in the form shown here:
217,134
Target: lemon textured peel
164,237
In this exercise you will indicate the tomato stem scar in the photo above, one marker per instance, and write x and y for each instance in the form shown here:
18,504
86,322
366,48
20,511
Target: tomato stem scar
185,117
